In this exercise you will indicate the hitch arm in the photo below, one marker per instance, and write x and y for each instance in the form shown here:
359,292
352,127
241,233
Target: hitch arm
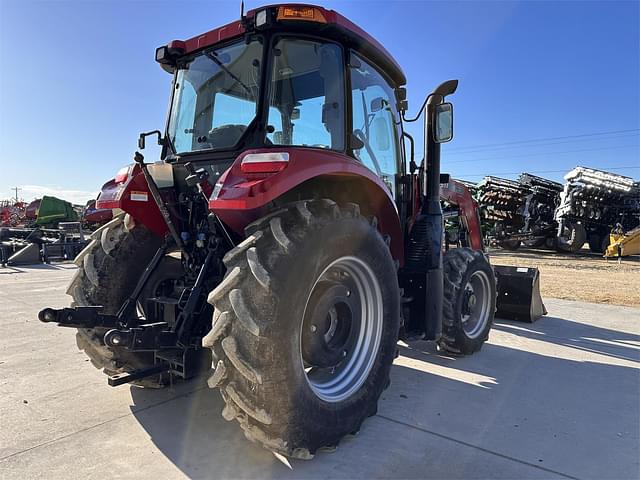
147,337
79,317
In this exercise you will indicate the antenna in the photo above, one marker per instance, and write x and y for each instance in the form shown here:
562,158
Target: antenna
241,9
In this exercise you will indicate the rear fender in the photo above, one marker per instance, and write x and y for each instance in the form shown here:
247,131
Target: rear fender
240,198
132,195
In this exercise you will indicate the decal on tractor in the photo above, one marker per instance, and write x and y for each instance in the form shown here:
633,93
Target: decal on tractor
139,196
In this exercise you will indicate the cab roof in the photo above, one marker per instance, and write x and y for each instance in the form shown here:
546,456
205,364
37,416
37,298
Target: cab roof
333,26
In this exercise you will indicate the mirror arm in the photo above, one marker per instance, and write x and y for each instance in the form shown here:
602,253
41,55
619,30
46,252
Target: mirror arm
412,164
446,88
424,104
141,138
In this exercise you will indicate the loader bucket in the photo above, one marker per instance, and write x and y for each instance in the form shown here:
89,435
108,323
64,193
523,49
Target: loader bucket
519,294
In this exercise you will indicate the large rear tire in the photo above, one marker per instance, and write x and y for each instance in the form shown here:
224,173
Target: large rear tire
305,327
469,302
109,269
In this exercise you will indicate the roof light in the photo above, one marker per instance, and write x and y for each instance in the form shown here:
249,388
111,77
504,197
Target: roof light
264,162
261,18
307,14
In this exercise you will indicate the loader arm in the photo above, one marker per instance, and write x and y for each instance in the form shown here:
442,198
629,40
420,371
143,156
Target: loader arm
459,195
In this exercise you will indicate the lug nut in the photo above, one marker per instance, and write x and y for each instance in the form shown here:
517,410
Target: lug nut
348,293
314,328
116,340
344,353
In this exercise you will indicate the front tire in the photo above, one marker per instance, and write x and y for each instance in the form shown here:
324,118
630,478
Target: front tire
469,302
305,327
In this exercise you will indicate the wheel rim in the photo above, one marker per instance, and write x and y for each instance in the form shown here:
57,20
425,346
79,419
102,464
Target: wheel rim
475,304
341,329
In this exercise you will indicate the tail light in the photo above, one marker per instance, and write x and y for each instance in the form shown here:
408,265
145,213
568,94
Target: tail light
272,162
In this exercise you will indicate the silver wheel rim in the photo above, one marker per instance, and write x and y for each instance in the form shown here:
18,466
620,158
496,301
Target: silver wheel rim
337,383
475,304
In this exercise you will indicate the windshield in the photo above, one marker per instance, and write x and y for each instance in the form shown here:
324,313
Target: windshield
215,98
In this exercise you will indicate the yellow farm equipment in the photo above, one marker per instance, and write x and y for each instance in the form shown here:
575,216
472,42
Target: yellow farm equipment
623,244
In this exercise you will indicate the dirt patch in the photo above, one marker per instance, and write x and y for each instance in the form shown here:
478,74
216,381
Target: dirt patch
583,276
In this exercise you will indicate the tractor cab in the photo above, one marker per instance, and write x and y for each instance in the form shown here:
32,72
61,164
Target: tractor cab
291,76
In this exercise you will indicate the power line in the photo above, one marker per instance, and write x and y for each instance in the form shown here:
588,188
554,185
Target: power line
544,144
549,138
541,154
540,171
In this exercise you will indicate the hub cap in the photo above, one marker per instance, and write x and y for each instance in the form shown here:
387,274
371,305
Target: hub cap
475,304
341,329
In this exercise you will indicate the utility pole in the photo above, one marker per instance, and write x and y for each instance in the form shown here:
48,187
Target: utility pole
16,190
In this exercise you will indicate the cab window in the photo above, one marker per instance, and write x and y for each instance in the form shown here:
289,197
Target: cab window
306,96
375,142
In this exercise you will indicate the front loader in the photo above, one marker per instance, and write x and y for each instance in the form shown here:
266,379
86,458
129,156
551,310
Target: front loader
286,238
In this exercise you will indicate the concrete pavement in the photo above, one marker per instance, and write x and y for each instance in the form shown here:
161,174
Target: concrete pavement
559,398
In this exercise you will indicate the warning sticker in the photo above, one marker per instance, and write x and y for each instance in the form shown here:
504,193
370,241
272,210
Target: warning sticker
139,196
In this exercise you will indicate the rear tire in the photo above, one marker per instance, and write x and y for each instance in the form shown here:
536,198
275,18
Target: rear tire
109,269
263,337
469,302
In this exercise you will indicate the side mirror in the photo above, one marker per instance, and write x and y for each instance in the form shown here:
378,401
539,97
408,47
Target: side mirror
377,104
443,121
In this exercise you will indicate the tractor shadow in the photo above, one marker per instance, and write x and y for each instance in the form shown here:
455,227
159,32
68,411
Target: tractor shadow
587,338
540,405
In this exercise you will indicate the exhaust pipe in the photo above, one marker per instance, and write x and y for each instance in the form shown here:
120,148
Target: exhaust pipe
432,213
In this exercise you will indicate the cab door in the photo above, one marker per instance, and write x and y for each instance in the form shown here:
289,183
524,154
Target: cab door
375,121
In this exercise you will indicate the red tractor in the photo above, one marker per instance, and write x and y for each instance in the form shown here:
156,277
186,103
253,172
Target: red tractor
11,213
286,239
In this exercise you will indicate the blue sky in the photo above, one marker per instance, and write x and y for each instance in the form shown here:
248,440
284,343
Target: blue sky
78,82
